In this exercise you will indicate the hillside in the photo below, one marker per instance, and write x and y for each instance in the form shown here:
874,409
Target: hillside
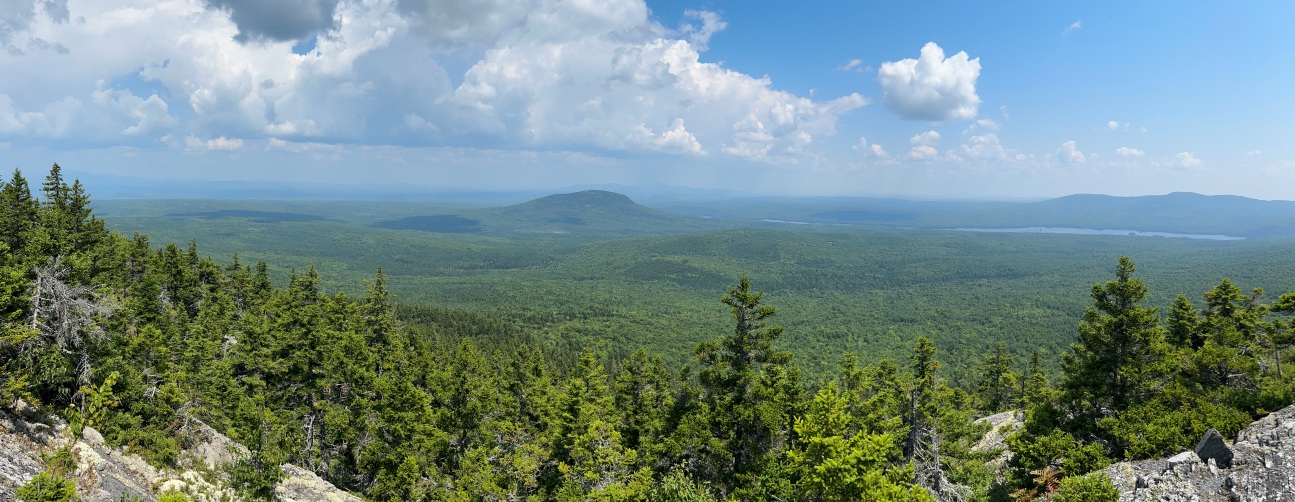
532,391
588,212
843,287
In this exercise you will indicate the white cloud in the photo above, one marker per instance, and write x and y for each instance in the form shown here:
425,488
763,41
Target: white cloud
1253,153
1186,160
923,152
1075,26
931,87
678,140
220,143
854,66
1070,154
928,138
984,146
1125,151
870,149
561,75
983,125
699,37
539,94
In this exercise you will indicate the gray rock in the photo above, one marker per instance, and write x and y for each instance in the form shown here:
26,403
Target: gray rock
19,451
1187,457
108,474
1261,469
1212,447
92,436
301,485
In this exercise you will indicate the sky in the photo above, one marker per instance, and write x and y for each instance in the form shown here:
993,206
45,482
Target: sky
918,99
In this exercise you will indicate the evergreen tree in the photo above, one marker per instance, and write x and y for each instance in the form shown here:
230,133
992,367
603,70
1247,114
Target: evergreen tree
835,461
1182,324
1116,358
996,384
18,212
748,422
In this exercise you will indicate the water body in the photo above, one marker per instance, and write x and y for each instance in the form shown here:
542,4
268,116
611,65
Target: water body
1093,231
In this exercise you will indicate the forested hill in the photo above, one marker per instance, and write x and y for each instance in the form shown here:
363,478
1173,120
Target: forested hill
143,341
1179,212
594,212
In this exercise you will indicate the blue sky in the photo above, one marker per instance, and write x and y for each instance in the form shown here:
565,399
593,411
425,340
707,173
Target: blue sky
929,99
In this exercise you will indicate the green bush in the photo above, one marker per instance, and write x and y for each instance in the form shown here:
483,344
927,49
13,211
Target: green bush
1091,488
46,487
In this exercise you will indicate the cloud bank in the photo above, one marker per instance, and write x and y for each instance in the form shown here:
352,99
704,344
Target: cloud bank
541,75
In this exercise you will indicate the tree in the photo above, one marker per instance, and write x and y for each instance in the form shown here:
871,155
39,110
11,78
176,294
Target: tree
997,382
746,417
1034,384
1115,359
1183,321
65,318
835,461
18,212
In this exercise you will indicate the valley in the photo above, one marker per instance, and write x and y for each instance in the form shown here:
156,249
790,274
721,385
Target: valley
595,268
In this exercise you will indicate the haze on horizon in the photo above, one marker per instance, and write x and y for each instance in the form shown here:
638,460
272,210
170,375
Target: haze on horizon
926,99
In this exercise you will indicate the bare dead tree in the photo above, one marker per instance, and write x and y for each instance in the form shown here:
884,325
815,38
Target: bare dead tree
64,316
927,470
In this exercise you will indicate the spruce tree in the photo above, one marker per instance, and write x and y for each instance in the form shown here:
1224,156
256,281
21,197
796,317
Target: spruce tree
1115,359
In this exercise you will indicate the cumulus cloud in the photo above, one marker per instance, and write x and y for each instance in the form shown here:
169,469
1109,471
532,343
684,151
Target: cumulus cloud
983,125
1075,26
984,146
677,139
699,36
932,87
540,93
554,75
1186,160
870,149
220,143
1070,154
277,20
928,138
923,152
1253,153
16,16
1125,151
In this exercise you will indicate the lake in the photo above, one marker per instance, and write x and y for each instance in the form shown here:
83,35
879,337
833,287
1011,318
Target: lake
1093,231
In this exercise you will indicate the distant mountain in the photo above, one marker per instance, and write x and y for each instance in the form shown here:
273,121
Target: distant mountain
585,212
1181,212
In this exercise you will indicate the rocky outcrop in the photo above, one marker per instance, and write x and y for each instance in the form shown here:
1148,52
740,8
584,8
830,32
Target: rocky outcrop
1262,468
1000,426
109,474
301,485
23,435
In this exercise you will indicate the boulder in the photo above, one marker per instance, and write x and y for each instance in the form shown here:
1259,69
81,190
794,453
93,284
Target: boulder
1212,447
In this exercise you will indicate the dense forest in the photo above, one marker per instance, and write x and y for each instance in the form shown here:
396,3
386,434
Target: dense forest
144,341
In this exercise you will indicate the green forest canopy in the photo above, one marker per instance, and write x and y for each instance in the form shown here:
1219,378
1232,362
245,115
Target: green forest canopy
429,403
